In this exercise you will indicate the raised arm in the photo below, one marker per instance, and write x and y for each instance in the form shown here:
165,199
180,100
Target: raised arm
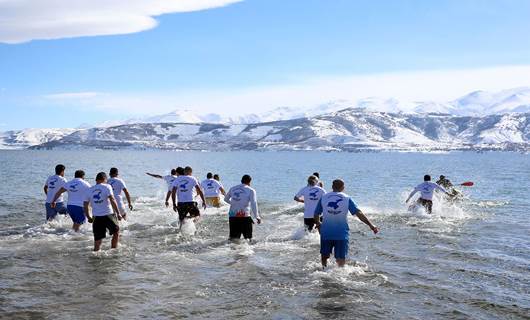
154,175
128,196
57,195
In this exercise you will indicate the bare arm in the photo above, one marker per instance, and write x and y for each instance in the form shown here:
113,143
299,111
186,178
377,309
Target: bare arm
364,219
223,192
87,211
411,194
299,199
154,175
168,195
199,192
114,206
227,197
174,198
57,195
128,196
46,189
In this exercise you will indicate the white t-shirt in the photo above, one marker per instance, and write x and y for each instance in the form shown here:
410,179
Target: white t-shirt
54,183
242,200
211,188
77,189
427,190
117,185
185,188
169,181
98,196
311,196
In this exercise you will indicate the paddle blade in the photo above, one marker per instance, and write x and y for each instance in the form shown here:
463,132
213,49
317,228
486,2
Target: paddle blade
467,184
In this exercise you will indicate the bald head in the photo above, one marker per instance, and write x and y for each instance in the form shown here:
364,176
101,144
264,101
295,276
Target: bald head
338,185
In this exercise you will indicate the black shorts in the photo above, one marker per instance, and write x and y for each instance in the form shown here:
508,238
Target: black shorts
240,226
426,203
310,223
104,223
185,208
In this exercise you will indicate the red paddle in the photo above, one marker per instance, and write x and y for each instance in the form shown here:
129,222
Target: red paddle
467,184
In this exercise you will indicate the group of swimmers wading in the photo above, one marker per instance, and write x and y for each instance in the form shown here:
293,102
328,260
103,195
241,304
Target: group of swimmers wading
102,205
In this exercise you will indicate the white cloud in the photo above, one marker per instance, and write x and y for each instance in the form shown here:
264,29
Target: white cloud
26,20
437,85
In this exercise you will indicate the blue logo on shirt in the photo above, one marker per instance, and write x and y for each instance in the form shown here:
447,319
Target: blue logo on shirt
97,196
73,187
334,205
313,194
52,182
209,185
183,186
237,194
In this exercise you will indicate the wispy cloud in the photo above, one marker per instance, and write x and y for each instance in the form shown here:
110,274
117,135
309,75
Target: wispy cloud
26,20
434,85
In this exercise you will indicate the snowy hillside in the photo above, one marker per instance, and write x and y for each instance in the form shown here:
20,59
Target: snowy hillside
350,130
17,139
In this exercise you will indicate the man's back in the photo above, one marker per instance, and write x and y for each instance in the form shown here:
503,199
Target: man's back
211,187
427,189
335,207
242,199
98,196
311,195
77,189
185,186
117,185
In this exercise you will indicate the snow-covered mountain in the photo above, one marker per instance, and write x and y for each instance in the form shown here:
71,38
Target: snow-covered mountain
477,103
352,129
17,139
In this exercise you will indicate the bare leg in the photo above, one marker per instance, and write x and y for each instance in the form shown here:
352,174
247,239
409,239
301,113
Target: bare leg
324,260
341,262
76,227
97,245
114,241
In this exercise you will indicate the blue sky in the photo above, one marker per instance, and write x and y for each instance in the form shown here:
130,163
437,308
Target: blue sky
253,55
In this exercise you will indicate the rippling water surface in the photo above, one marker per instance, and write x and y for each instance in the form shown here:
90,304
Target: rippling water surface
470,260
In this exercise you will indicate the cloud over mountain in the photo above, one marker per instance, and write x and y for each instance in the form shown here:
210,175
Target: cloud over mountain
26,20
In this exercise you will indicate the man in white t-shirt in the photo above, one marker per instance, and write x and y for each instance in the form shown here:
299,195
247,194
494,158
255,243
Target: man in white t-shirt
212,190
104,211
426,189
51,186
243,208
169,182
77,189
118,185
183,190
310,196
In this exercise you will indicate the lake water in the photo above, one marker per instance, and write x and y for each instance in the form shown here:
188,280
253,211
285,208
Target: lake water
470,260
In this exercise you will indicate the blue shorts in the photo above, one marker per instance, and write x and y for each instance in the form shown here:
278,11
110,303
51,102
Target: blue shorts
77,214
52,212
339,248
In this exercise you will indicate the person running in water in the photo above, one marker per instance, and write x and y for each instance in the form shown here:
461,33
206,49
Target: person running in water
77,189
118,185
183,188
310,196
51,186
334,230
243,209
169,181
212,190
320,184
104,211
426,189
444,182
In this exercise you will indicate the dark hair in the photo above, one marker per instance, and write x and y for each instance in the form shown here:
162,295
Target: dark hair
180,171
442,177
79,174
113,172
337,184
316,174
246,179
188,170
209,175
173,172
426,177
101,176
216,177
59,169
312,180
